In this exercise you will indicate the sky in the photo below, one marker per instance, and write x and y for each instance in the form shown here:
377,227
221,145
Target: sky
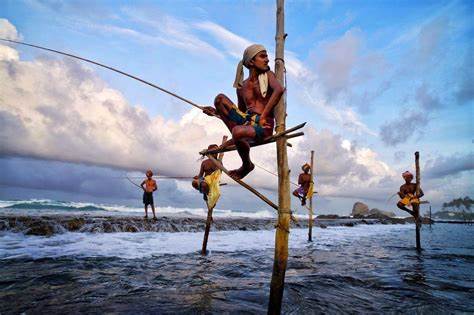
374,80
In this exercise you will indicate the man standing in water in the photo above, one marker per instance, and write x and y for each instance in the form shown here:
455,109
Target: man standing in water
407,193
207,168
304,180
149,186
252,118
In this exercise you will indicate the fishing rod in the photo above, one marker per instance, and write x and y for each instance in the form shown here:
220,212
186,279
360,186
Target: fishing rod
131,181
159,177
107,67
163,177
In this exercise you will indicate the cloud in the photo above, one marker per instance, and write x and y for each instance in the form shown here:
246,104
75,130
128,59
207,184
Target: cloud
403,128
8,30
426,99
170,30
338,62
447,166
345,117
60,110
465,87
431,36
233,44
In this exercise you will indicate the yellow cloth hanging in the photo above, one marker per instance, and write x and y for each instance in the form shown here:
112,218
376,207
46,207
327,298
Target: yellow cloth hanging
213,181
310,192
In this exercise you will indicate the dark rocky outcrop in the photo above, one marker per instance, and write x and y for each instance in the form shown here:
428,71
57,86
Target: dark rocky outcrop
359,209
49,225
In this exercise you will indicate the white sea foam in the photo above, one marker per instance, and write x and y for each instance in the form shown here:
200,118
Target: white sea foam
48,207
146,244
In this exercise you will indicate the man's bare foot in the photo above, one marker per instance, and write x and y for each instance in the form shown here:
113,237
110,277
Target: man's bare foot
155,219
145,217
242,171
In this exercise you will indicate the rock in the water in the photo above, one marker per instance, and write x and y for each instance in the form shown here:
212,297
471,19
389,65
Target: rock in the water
350,224
75,224
380,214
360,209
328,216
323,226
41,228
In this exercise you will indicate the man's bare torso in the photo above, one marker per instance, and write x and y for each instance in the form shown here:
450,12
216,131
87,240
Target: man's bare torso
408,188
252,98
305,180
208,167
150,185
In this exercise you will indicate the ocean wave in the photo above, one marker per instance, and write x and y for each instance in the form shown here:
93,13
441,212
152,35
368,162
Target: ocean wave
58,207
39,206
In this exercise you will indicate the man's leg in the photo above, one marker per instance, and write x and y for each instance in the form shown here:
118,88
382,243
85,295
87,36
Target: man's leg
223,107
241,136
146,211
402,207
153,209
296,194
204,188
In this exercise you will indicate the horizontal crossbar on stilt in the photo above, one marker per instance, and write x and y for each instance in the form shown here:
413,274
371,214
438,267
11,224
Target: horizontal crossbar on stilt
287,134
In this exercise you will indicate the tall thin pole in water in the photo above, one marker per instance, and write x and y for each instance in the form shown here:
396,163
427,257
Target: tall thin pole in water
416,206
209,212
284,202
430,216
310,223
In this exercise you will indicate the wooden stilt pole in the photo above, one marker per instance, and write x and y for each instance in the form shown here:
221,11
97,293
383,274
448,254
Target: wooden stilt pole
209,212
416,207
244,184
430,216
284,202
310,223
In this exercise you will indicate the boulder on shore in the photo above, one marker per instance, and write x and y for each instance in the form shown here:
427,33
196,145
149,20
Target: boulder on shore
380,214
328,216
359,209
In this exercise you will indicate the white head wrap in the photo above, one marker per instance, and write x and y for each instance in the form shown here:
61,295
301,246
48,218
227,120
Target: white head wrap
249,53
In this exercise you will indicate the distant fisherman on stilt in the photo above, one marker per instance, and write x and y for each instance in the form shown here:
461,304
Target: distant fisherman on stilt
208,180
407,193
305,190
149,186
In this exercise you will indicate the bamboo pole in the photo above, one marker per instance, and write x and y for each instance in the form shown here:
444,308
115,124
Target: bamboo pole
286,133
416,207
310,223
209,212
284,201
244,184
430,216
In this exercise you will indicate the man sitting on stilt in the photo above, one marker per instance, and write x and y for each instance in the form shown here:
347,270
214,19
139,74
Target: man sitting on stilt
407,193
207,168
252,118
304,180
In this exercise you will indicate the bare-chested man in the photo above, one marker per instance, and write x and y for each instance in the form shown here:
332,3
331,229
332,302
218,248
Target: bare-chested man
207,168
408,193
149,186
304,180
252,118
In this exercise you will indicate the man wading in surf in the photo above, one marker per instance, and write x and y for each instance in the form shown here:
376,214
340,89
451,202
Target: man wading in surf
252,118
